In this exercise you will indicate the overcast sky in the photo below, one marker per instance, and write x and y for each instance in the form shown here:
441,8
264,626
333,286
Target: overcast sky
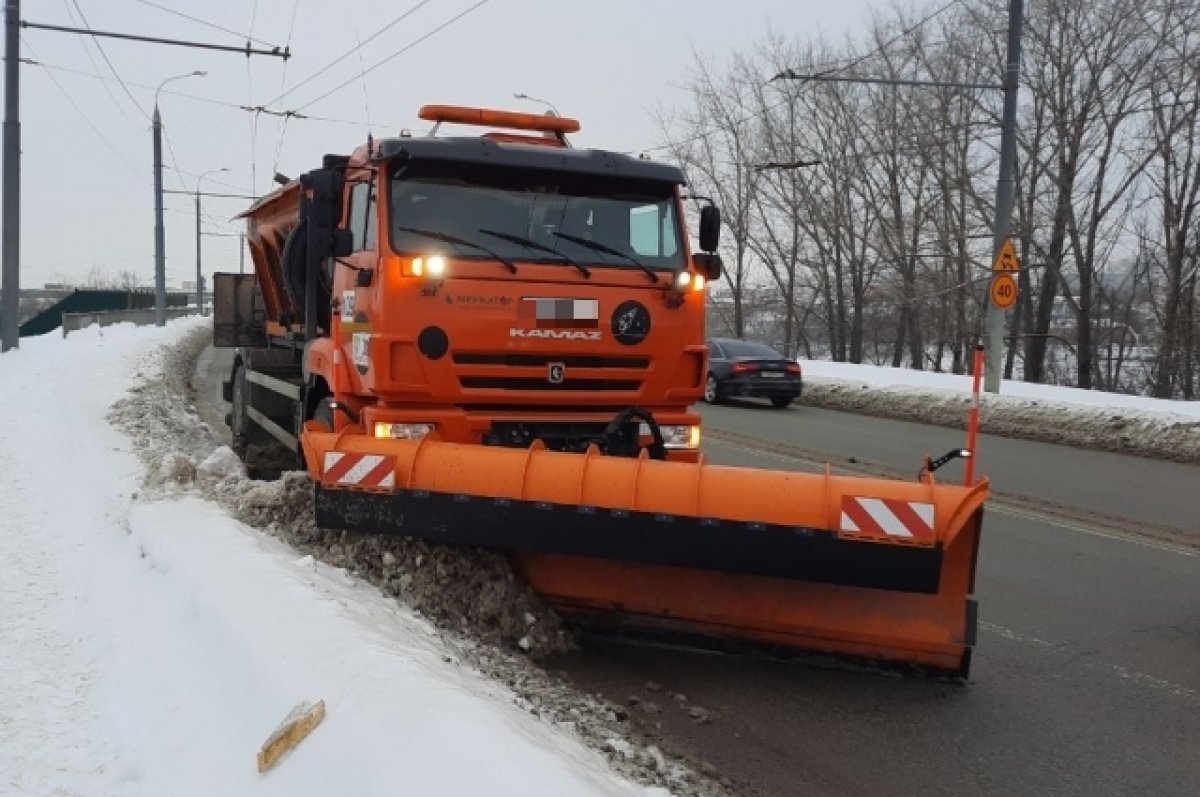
87,188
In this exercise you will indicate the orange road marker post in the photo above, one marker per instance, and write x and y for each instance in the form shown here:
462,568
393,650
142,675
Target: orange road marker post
973,418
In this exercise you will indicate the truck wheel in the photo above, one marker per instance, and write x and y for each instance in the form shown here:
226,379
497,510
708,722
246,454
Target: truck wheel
239,421
324,413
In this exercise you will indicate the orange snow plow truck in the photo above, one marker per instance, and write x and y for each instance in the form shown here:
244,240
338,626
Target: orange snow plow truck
495,340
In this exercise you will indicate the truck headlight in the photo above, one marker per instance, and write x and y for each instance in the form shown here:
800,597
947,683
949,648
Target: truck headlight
676,436
402,431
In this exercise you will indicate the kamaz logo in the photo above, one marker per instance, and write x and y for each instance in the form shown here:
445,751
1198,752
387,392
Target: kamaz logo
554,334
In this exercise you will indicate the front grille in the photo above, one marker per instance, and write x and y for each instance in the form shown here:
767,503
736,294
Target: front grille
534,360
564,436
541,383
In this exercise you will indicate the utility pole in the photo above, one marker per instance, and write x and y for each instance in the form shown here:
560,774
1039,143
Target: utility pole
10,269
1004,190
199,272
160,255
11,225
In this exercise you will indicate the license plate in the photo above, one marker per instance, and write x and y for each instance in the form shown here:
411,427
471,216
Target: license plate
773,374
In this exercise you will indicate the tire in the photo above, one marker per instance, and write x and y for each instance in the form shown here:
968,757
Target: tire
779,402
240,424
323,414
712,390
295,276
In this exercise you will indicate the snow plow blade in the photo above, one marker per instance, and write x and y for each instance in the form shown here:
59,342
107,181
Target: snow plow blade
869,568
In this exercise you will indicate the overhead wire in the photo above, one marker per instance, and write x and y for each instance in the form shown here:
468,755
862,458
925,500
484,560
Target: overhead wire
396,54
208,24
107,60
208,100
91,59
281,129
249,99
348,53
823,71
86,118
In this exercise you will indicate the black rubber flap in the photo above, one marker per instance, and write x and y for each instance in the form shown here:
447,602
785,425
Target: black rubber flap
796,553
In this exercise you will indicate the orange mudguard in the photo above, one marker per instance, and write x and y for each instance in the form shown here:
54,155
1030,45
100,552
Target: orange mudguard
864,567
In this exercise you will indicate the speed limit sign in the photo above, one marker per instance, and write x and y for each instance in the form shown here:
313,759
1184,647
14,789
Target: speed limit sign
1004,291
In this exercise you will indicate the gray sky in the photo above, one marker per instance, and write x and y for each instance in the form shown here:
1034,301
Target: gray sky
87,193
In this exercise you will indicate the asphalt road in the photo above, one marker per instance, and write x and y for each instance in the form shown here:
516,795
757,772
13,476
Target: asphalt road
1086,677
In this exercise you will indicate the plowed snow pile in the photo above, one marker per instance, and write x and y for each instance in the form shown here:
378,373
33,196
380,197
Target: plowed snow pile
486,617
151,641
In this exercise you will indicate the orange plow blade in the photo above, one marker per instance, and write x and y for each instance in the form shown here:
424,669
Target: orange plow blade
849,566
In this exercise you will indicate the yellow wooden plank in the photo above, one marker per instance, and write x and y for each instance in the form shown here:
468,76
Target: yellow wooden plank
298,724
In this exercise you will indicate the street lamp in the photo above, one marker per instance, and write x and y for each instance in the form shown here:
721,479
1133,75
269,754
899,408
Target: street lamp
547,103
199,273
160,257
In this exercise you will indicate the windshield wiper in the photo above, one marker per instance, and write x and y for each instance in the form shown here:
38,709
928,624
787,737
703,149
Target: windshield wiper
540,247
608,250
452,239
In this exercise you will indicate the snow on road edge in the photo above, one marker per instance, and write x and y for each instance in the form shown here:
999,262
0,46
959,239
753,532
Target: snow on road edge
486,616
1136,425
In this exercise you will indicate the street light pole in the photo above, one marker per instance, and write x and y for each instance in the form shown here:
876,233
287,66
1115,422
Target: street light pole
199,273
547,103
160,254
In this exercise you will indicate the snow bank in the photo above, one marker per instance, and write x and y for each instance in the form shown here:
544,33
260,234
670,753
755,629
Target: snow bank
1147,427
150,647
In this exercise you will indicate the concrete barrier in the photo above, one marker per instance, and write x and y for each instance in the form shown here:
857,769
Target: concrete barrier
142,317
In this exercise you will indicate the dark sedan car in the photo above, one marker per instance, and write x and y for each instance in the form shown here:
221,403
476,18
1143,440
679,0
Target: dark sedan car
744,368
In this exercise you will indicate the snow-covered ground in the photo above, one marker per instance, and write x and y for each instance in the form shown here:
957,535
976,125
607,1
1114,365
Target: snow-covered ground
878,376
1083,418
149,644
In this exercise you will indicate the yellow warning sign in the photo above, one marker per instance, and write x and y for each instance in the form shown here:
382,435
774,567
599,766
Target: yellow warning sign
1006,258
1004,291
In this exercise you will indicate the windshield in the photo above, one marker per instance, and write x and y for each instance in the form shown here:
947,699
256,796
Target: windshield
532,215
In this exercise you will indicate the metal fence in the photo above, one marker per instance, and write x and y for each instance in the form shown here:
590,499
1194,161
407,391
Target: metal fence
141,317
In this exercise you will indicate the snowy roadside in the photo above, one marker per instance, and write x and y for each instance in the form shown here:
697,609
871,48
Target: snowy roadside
151,641
488,621
1123,424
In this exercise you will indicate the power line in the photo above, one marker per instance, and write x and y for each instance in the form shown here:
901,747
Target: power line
120,158
207,24
350,52
86,51
855,61
281,130
208,100
112,68
396,54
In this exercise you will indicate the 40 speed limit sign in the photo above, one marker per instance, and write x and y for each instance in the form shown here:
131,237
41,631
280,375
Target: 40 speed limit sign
1004,291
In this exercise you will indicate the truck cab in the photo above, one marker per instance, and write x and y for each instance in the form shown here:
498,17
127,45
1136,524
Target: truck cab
497,289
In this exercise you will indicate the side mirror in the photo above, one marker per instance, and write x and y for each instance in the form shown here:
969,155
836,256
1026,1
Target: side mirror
710,228
708,264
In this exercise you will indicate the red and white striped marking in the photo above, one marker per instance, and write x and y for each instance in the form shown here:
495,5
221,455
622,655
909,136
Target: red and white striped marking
359,470
888,518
